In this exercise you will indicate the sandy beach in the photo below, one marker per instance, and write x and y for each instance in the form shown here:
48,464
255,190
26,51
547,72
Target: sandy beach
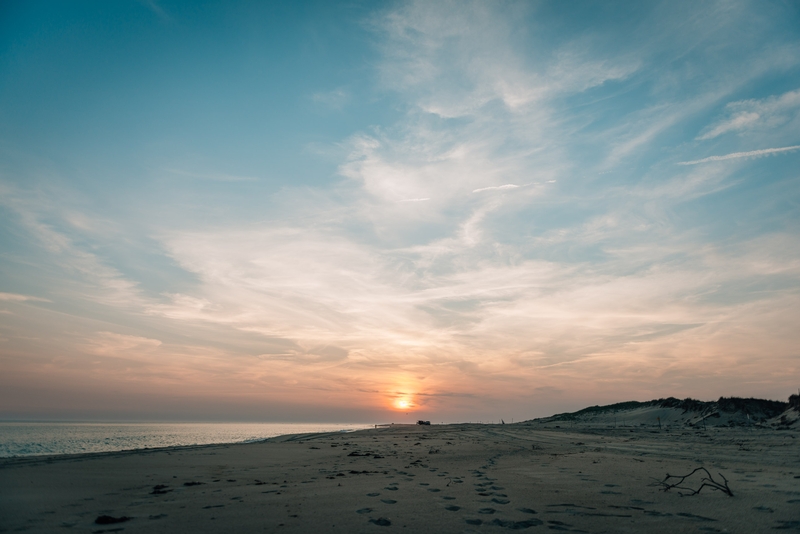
448,478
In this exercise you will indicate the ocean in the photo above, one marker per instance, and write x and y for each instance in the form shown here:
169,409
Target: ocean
31,439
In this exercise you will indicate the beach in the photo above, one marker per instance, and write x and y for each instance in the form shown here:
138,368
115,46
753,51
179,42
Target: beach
439,478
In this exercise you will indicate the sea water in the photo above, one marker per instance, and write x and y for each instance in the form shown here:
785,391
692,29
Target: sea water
30,439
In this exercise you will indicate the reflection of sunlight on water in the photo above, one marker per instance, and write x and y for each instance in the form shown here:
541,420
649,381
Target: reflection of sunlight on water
27,439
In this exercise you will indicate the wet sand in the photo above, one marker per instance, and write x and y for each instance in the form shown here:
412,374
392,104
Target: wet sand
450,478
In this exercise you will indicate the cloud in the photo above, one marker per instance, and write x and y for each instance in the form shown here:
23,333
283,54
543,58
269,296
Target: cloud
415,309
157,9
45,218
113,344
335,99
634,134
15,297
456,58
506,186
739,121
736,155
754,114
324,354
329,352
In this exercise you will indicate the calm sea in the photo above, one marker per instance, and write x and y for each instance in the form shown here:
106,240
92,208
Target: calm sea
29,439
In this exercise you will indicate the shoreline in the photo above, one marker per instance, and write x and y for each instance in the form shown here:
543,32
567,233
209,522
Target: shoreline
30,440
543,424
282,438
49,458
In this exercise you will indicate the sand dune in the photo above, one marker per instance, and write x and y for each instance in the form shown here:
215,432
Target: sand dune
440,478
686,413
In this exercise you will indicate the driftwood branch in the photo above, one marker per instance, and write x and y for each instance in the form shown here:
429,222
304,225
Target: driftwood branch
706,481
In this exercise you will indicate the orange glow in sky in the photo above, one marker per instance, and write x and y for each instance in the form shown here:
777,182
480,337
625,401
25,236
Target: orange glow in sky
403,403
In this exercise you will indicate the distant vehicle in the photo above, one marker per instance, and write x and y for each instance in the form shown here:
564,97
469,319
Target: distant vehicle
423,422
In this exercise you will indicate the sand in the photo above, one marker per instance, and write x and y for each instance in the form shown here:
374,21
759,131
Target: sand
449,478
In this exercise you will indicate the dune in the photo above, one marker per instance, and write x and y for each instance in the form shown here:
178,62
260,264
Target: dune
571,472
686,413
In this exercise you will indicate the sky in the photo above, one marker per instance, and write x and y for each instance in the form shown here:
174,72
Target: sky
389,211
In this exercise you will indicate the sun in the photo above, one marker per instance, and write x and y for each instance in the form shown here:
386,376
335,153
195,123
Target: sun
403,403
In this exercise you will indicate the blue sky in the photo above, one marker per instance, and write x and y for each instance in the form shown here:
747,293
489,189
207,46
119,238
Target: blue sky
317,210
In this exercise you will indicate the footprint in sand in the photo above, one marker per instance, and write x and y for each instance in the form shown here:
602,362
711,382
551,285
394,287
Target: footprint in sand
448,498
364,511
372,494
109,520
389,501
391,488
655,513
517,525
527,510
473,521
693,516
381,522
487,511
434,490
160,489
452,508
501,501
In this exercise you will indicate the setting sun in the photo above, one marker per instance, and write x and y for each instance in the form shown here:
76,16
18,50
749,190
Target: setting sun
402,404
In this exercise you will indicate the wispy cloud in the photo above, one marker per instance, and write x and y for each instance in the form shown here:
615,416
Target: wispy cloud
767,113
113,344
435,54
736,155
157,9
335,99
506,186
739,121
48,223
15,297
